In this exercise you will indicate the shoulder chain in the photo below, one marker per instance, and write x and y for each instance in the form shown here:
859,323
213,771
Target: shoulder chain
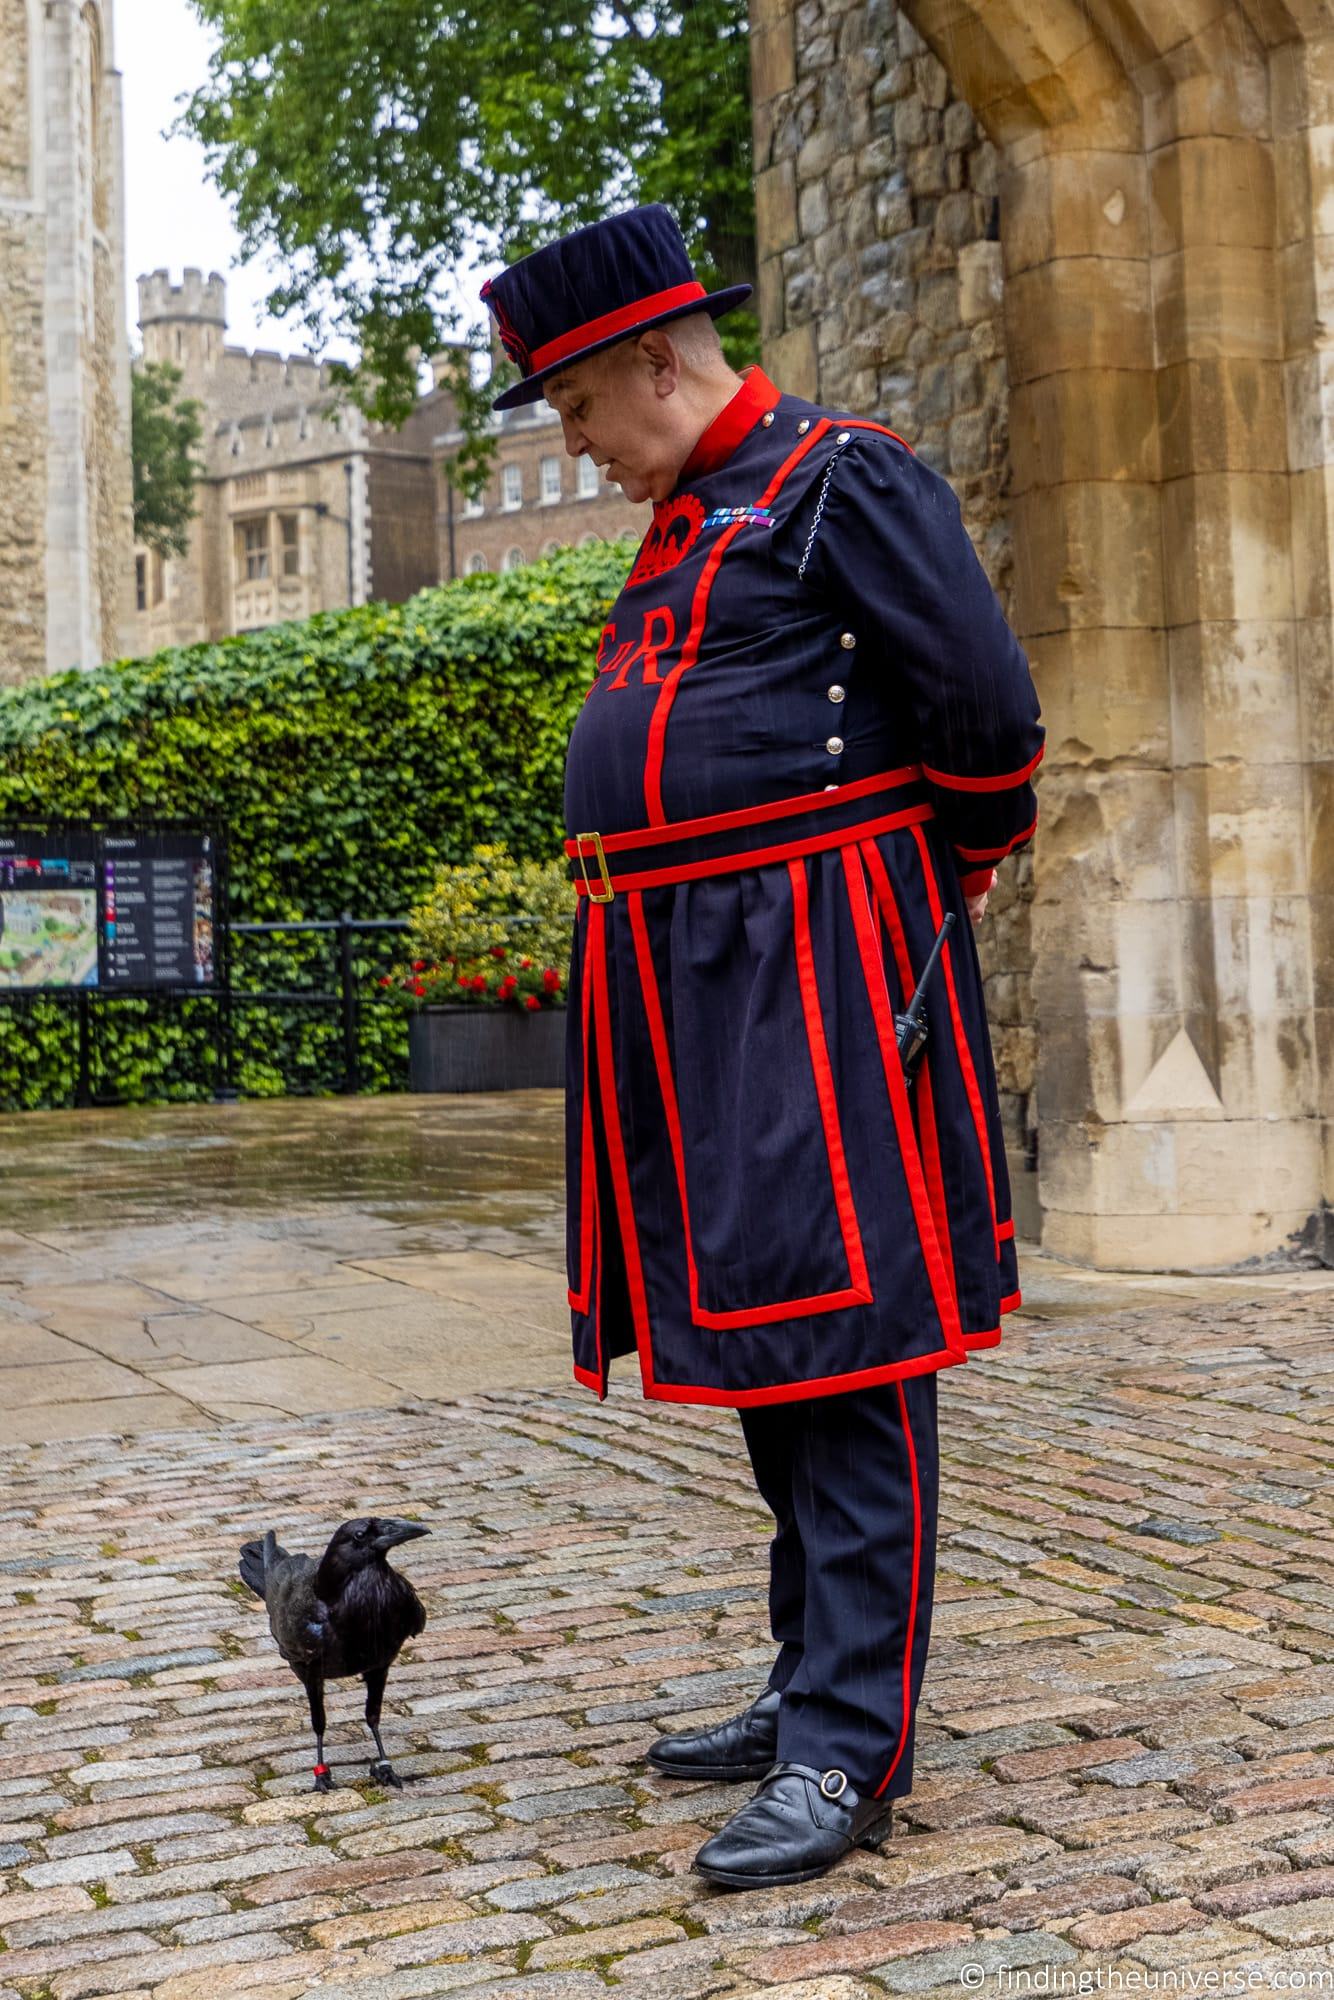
819,510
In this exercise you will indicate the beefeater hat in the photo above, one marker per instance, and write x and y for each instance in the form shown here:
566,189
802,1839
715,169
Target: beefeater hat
592,288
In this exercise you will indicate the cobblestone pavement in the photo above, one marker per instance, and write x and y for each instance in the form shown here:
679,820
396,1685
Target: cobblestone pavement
1126,1758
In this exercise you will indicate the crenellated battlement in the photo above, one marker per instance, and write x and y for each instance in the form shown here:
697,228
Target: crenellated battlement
196,297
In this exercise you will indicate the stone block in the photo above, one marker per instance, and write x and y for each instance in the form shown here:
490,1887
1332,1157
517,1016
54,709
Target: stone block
773,56
1236,693
1217,299
1226,547
791,359
1222,415
1087,555
1078,313
1081,424
979,272
1212,190
1311,518
776,208
1256,831
1167,1242
1074,205
1105,696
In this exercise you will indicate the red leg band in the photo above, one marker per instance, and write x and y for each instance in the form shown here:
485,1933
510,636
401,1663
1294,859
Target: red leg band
320,1770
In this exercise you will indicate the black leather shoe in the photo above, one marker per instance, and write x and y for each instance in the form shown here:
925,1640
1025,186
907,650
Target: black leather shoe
742,1747
799,1823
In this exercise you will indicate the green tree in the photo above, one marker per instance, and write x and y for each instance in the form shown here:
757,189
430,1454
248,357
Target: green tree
164,435
373,148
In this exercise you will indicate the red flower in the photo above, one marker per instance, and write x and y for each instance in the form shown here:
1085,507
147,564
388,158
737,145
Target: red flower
479,984
497,951
532,1003
419,965
551,979
387,980
506,987
418,989
525,963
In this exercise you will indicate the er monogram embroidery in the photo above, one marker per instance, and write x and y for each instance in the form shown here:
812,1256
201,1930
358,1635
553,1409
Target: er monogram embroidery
674,529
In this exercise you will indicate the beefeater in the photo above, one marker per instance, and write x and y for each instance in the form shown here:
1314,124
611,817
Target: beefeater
811,734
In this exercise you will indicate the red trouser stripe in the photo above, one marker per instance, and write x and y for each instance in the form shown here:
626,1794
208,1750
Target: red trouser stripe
906,1723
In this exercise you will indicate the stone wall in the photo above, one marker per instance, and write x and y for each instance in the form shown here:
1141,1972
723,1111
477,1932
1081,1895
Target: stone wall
22,387
880,294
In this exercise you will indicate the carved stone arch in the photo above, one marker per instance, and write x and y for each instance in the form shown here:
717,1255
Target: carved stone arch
1167,281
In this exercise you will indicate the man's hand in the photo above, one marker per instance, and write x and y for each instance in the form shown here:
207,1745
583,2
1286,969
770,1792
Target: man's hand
976,906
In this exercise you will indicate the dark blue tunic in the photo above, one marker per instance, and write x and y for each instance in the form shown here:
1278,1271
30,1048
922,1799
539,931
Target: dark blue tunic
757,1205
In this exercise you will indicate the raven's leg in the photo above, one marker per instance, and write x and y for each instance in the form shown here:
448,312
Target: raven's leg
383,1772
314,1686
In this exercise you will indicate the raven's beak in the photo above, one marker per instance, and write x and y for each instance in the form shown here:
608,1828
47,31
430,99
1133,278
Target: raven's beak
394,1532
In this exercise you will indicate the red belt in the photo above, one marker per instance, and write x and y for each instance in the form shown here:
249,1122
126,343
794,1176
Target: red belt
685,850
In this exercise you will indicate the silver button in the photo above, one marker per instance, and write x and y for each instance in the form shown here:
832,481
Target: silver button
847,640
843,436
834,745
767,418
836,693
803,427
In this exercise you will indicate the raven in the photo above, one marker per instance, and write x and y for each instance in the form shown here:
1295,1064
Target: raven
347,1614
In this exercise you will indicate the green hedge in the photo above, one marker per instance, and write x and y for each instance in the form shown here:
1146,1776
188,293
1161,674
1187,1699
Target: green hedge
345,757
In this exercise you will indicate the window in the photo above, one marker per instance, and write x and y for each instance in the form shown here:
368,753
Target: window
589,478
550,481
473,505
252,550
289,534
513,559
511,486
141,583
476,563
589,541
552,548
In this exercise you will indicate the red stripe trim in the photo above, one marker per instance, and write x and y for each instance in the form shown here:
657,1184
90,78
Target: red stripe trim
965,1054
741,1316
1011,1302
906,1721
620,1173
976,1340
1000,784
995,854
587,1158
935,1177
723,822
1005,1231
623,320
800,1392
589,1380
760,857
873,972
860,424
657,739
824,1084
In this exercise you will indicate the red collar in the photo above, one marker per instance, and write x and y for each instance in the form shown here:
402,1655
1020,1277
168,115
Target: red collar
735,421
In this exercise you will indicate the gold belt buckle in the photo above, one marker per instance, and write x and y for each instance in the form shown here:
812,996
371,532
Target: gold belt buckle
607,893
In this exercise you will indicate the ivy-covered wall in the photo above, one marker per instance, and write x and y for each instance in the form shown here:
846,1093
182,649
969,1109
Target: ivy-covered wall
344,757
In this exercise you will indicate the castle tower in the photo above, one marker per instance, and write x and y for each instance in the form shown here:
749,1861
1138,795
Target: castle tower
65,485
186,325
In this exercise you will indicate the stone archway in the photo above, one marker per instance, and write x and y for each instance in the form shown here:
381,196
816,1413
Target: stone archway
1161,169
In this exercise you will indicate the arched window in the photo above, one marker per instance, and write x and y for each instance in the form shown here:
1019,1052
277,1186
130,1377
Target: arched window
476,564
552,548
589,541
514,559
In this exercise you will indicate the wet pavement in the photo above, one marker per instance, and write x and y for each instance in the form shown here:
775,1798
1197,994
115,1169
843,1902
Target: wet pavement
1126,1756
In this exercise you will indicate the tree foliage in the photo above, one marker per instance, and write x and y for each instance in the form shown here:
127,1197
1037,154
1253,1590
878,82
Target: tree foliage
164,436
375,148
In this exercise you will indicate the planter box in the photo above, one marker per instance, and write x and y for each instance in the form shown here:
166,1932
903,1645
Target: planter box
486,1048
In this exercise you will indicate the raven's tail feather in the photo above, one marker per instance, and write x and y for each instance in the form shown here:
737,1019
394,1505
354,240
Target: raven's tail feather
255,1559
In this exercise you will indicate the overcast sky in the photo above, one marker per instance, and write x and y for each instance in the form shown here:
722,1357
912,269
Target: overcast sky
174,216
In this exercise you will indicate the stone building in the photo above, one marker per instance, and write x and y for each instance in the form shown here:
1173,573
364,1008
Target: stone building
65,491
1077,254
535,500
302,504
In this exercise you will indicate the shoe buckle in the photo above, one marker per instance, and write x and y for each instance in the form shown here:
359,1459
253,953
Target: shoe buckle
833,1784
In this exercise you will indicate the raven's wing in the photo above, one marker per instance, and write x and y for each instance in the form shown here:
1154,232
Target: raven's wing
296,1615
255,1556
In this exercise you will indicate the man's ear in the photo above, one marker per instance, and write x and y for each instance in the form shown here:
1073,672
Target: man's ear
660,354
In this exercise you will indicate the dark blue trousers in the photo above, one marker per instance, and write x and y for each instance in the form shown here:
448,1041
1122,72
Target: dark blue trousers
852,1483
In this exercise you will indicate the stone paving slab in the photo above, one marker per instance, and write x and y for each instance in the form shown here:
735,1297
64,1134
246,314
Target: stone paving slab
1125,1764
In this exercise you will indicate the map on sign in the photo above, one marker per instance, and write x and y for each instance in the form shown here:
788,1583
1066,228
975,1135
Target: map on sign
134,910
48,939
